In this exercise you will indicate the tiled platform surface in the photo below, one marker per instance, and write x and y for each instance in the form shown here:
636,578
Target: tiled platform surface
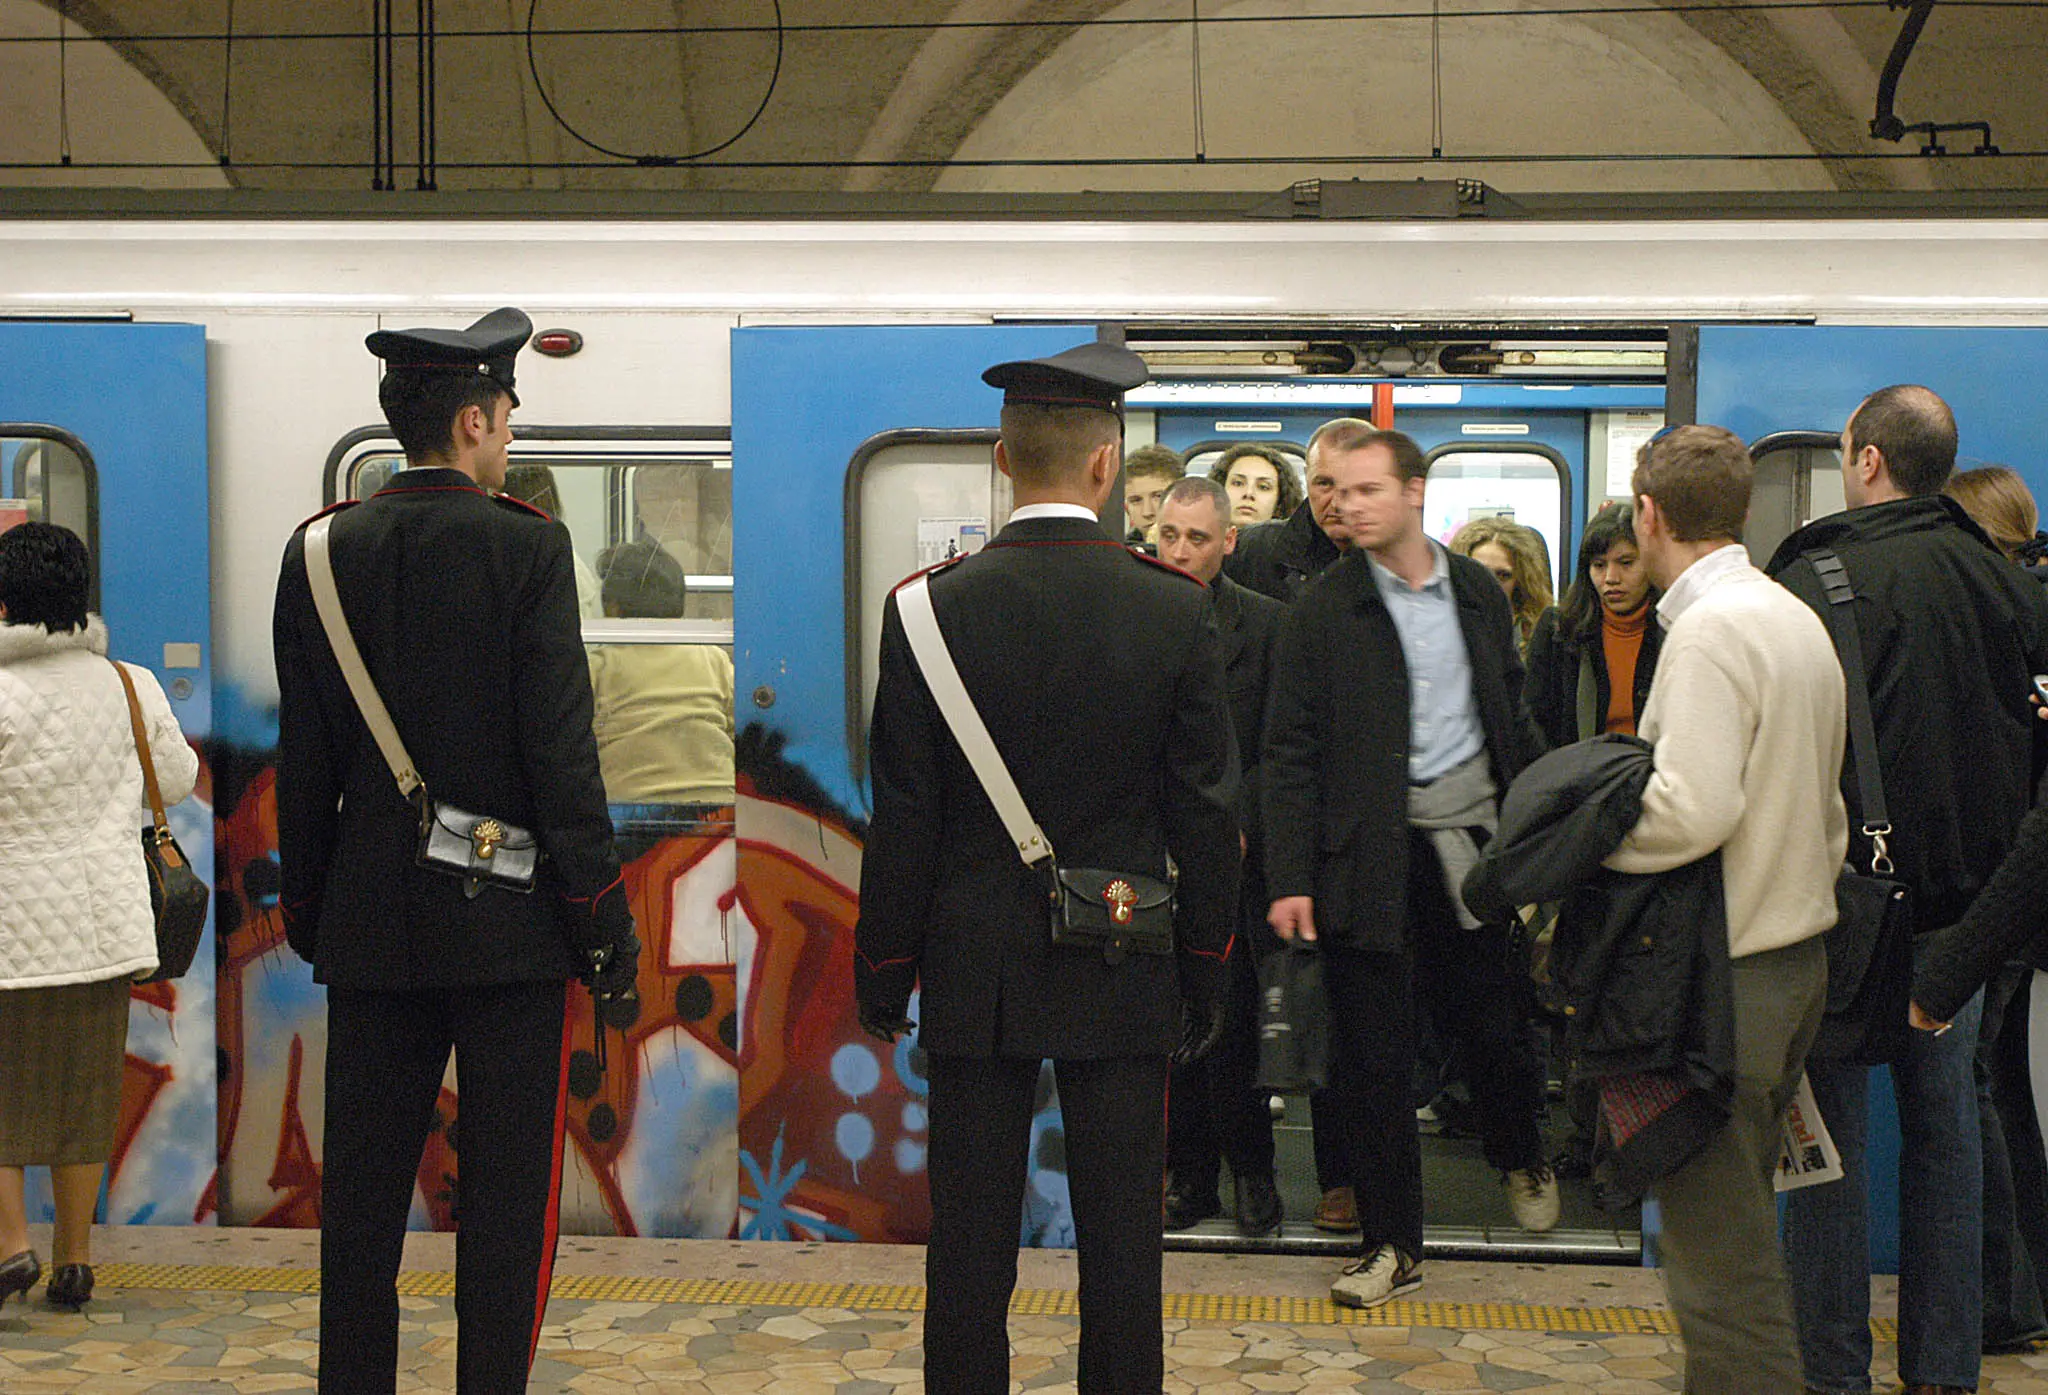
232,1311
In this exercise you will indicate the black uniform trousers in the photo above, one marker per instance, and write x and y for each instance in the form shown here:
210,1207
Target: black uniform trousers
1215,1111
386,1054
1113,1112
1376,1004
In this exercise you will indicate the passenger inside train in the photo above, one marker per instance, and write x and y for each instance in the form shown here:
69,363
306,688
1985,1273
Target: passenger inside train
1262,483
664,710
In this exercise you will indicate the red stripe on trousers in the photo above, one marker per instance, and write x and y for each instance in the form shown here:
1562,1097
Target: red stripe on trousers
554,1223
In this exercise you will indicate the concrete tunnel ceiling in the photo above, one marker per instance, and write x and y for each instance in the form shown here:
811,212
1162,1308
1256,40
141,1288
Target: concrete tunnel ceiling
1331,88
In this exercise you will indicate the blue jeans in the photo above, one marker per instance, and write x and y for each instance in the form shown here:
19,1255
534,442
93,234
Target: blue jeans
1941,1190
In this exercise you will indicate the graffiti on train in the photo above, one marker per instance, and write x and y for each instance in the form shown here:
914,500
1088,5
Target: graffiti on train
832,1128
740,1098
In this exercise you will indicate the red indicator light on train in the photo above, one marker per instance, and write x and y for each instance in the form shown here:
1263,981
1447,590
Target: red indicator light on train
557,343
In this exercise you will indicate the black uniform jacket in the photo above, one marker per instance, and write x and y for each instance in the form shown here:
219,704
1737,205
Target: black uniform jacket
1281,557
1248,623
1100,675
1950,632
464,608
1568,690
1640,963
1335,773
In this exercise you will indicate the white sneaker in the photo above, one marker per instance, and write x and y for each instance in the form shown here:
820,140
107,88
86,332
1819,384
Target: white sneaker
1532,1196
1376,1278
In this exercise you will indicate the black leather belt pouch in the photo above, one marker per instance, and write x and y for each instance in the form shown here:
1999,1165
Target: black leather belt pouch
477,848
1115,913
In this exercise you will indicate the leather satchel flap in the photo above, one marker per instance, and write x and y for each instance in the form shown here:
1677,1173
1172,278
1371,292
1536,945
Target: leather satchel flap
1130,891
481,847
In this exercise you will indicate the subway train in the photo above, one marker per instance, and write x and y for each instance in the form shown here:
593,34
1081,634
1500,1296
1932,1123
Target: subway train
795,409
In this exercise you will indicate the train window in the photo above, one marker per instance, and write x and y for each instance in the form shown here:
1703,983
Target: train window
1798,479
613,487
914,498
1529,484
47,476
686,506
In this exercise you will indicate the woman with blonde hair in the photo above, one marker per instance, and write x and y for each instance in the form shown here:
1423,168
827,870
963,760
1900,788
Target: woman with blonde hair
2001,504
75,922
1519,561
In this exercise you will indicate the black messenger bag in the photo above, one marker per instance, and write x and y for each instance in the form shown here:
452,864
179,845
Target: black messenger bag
1116,913
1870,950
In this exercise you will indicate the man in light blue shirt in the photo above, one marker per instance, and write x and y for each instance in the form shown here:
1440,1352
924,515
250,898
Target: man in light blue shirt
1393,724
1443,724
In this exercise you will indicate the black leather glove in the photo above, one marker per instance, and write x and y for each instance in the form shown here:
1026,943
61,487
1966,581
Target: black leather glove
614,971
1201,1027
300,936
884,1023
302,928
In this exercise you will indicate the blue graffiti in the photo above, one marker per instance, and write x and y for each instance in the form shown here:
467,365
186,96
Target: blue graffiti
855,1070
773,1218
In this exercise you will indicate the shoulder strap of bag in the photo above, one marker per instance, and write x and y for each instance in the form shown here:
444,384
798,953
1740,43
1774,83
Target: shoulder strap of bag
928,647
149,785
376,716
1841,622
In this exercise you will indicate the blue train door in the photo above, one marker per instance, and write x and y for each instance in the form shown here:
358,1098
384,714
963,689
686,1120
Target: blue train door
103,430
1788,391
857,454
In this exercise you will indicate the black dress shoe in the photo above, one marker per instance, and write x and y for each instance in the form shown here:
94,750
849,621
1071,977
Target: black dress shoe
2016,1343
1258,1206
1185,1207
18,1274
70,1286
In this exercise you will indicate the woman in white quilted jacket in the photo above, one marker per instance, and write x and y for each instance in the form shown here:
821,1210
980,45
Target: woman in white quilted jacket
75,921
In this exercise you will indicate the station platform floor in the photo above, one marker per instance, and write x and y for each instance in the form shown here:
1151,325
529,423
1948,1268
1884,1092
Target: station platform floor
192,1310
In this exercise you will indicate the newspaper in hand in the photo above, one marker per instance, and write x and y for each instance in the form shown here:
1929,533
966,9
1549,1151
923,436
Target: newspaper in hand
1807,1156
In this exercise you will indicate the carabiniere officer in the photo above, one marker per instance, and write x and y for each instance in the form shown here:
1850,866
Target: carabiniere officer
1099,673
463,604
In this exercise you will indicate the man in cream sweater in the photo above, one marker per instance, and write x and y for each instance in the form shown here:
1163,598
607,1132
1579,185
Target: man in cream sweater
1747,719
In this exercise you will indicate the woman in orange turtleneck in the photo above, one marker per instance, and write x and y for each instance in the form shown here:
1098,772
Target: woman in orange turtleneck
1589,668
1591,660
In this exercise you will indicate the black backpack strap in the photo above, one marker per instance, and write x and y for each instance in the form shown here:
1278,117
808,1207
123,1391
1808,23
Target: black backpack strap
1840,617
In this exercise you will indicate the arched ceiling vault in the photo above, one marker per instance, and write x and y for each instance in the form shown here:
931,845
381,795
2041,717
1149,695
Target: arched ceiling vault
1807,78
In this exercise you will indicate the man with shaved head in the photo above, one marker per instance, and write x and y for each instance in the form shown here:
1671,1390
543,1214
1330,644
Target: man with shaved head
1949,633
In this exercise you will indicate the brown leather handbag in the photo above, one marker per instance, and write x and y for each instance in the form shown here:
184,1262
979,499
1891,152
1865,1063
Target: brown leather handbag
177,897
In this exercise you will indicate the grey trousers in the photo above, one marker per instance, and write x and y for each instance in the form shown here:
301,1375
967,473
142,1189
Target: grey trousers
1719,1246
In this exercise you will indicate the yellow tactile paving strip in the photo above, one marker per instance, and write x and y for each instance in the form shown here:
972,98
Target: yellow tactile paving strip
903,1298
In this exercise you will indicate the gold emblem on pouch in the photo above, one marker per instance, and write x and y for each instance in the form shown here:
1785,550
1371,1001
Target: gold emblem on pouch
485,835
1120,898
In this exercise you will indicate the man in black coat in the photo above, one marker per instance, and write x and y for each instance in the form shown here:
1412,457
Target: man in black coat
1950,634
1281,557
463,607
1216,1110
1099,674
1393,724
